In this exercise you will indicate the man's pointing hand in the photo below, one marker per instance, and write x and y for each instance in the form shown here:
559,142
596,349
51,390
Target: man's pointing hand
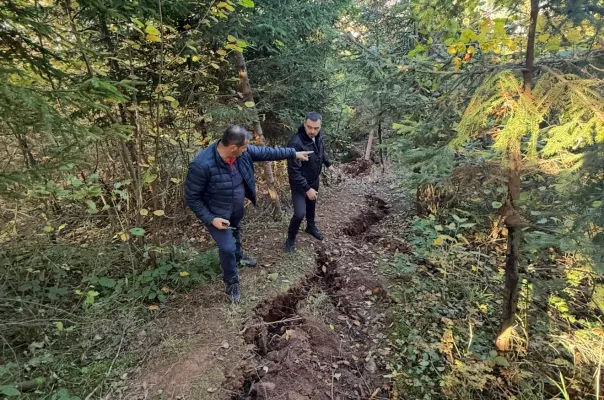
303,155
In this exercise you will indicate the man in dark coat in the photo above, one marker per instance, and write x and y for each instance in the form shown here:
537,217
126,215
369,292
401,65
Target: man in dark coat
304,178
219,179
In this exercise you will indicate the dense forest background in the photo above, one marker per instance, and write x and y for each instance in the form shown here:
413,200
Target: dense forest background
489,112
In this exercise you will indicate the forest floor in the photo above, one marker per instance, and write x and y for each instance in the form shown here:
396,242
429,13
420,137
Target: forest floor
312,325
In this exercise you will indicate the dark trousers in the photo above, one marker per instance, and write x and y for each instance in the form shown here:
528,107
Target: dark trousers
303,207
229,248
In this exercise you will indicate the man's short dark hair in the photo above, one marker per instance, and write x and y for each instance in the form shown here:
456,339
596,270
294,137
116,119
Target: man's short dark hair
313,116
235,134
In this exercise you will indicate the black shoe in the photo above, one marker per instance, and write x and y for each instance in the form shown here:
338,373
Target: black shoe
233,291
246,261
290,246
313,231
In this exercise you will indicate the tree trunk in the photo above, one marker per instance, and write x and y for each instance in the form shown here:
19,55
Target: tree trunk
369,145
512,221
78,39
379,132
257,130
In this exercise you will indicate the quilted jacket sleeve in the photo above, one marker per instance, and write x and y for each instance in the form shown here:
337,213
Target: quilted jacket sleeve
195,186
262,153
294,167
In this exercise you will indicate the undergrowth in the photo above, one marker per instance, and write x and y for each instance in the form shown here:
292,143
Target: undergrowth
449,298
68,322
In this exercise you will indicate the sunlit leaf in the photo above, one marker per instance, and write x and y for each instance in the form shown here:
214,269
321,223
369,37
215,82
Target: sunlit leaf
246,3
544,37
158,213
249,104
153,38
137,22
151,30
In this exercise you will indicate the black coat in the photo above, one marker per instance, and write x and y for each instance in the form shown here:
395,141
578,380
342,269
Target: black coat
209,190
305,174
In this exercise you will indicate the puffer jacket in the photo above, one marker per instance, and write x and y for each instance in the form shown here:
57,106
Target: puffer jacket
303,175
209,185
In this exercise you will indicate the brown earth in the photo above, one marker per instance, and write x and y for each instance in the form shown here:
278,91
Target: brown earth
313,325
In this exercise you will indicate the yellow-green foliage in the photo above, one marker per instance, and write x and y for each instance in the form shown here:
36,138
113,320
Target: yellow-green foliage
563,110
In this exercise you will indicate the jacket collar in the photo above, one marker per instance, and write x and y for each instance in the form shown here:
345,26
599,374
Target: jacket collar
305,138
217,157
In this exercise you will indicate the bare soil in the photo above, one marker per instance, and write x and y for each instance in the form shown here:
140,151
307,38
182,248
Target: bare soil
312,326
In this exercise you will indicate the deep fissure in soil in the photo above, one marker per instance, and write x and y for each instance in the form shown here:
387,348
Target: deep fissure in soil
299,355
378,209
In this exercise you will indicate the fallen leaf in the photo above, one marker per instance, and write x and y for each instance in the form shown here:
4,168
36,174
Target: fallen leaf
151,30
153,307
153,38
357,323
183,273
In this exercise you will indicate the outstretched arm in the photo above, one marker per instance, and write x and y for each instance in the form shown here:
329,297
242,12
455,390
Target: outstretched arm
261,153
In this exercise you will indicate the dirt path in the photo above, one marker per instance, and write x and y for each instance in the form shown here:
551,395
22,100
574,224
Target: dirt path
312,325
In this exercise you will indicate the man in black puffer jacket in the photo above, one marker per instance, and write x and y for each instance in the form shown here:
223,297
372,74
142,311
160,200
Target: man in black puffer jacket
304,178
218,181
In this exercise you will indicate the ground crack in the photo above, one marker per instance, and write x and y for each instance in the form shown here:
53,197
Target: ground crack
311,342
377,209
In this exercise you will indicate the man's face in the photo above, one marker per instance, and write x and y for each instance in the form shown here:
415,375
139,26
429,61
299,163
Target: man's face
312,128
237,151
